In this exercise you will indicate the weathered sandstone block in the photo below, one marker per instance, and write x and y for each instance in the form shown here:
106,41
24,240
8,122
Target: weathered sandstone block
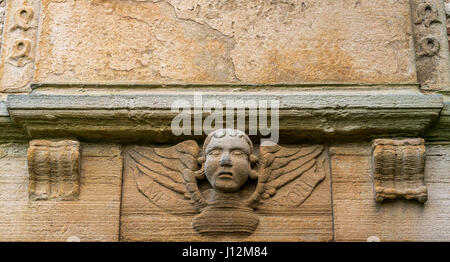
234,42
357,216
93,217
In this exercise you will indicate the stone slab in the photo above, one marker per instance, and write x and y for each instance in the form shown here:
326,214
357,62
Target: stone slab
146,117
231,42
95,217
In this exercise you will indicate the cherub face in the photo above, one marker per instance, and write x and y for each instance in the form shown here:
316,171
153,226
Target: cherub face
227,165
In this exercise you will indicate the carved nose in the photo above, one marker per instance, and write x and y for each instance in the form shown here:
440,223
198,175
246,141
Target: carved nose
225,160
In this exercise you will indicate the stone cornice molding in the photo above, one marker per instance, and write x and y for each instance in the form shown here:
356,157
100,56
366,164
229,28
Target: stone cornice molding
308,115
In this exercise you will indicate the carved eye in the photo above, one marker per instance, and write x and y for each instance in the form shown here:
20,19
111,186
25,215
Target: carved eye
214,152
238,152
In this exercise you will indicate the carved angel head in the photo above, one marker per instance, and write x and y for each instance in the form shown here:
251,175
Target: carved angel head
172,178
227,160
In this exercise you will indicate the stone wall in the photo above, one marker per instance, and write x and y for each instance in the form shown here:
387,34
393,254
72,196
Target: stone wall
95,217
88,150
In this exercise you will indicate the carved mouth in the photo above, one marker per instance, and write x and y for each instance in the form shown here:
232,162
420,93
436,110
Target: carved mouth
225,174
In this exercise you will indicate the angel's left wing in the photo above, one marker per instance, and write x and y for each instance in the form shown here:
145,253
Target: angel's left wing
294,172
166,176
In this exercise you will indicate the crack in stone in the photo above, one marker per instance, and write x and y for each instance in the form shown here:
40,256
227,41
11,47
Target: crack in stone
177,17
231,38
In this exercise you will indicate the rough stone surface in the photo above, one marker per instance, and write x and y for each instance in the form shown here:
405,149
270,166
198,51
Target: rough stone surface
357,216
94,217
209,42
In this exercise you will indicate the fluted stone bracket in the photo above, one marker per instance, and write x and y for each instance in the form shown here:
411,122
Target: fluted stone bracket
398,169
54,168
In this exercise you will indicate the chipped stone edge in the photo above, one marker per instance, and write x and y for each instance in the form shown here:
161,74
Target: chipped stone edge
9,131
440,131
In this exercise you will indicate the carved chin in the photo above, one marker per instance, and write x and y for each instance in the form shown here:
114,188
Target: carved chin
226,185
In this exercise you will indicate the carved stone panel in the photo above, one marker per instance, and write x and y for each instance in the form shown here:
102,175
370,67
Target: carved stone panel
398,169
226,190
19,45
2,17
54,168
431,43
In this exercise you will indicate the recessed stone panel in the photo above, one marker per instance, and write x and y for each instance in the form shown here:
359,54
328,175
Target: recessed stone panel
169,195
225,42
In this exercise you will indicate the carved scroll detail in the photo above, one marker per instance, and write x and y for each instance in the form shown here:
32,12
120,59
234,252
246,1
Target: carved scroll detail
54,168
22,17
427,14
428,46
18,50
20,53
398,169
429,40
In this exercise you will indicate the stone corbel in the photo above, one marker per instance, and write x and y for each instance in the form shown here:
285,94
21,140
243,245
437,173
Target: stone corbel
54,168
398,169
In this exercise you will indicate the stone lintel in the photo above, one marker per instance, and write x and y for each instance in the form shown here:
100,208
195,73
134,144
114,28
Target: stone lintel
308,115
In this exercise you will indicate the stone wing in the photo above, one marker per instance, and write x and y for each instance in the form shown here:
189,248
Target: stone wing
291,173
166,175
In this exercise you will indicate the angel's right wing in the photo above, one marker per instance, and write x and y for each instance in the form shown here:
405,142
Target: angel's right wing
166,176
294,172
